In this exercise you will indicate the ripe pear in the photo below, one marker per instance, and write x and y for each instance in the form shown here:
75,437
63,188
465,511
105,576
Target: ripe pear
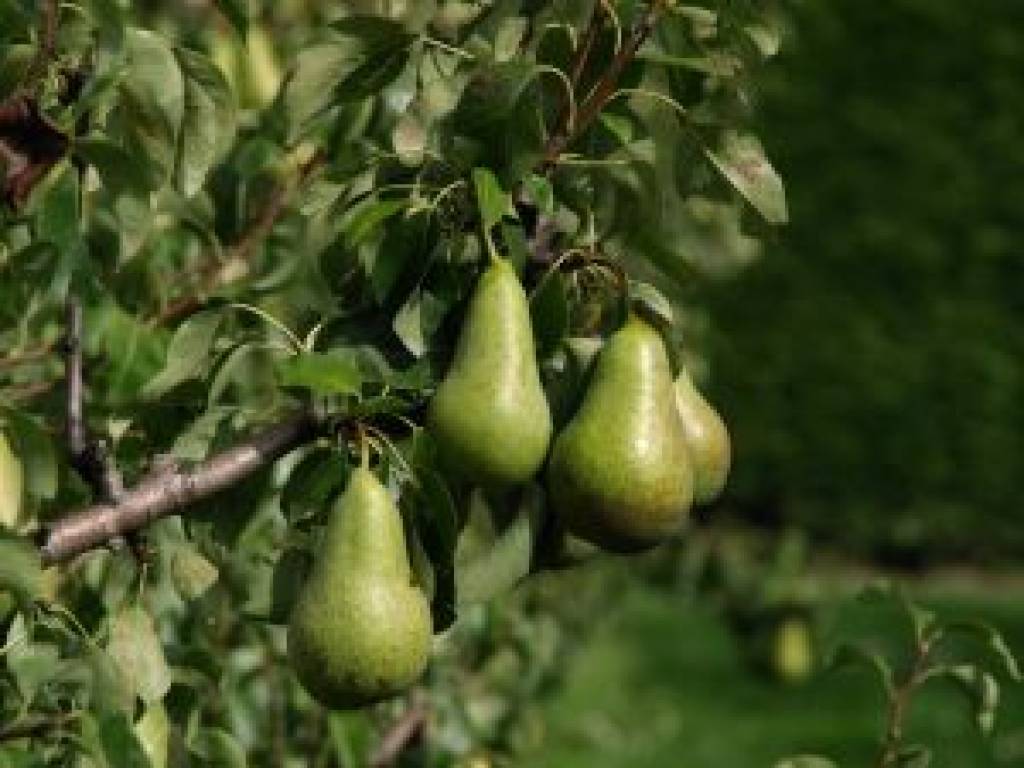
489,417
12,482
361,628
707,437
619,473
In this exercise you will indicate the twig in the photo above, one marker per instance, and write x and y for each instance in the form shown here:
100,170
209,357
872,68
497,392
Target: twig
605,88
899,704
169,489
404,732
210,276
90,457
36,725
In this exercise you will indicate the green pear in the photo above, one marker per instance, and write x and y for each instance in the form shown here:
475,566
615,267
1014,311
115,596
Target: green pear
619,474
12,482
710,450
361,628
489,417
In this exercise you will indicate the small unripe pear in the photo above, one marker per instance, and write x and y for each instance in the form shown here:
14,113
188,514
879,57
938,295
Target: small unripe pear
361,629
793,651
707,437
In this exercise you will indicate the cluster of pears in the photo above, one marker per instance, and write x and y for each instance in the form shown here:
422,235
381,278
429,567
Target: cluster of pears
624,471
622,474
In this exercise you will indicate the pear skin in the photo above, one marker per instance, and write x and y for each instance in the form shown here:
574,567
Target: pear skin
361,628
619,474
708,439
489,417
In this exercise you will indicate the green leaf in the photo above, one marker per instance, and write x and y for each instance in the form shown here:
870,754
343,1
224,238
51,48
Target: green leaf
219,749
118,170
30,663
418,320
153,732
208,124
849,654
121,748
135,648
192,573
153,100
236,12
289,576
742,162
549,313
980,686
21,568
188,355
368,216
539,190
490,197
33,446
314,482
494,552
995,641
914,756
324,373
652,300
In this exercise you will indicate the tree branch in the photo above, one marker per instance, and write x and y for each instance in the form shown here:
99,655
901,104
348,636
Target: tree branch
605,88
212,276
168,490
404,732
90,458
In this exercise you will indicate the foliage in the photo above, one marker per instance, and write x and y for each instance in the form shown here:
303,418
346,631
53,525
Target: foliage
265,208
870,363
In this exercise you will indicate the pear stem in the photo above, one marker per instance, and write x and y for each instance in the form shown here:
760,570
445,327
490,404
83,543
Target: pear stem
364,447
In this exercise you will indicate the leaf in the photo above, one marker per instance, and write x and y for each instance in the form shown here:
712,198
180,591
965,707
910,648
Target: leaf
418,320
549,313
313,483
914,756
742,162
136,649
30,663
153,100
323,373
192,573
208,124
118,171
121,748
490,197
995,641
368,217
652,300
188,354
494,555
153,731
289,576
34,448
219,749
539,190
806,761
409,139
236,12
848,654
980,686
21,568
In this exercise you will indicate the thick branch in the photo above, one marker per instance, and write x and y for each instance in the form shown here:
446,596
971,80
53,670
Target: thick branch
605,87
404,732
167,491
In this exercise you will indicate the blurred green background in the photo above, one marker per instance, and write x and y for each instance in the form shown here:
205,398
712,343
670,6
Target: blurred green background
871,367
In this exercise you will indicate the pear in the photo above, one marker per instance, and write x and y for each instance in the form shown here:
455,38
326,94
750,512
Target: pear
361,628
12,482
489,417
707,437
619,474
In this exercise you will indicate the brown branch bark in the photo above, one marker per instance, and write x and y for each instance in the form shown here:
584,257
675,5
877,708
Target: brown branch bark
211,276
168,490
405,731
605,88
899,705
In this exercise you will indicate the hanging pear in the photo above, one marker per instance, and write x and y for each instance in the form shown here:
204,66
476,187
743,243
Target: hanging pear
619,473
361,628
489,417
707,437
11,485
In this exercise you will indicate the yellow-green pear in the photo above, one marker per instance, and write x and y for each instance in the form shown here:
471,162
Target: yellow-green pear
361,628
619,474
489,417
11,485
707,437
793,651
